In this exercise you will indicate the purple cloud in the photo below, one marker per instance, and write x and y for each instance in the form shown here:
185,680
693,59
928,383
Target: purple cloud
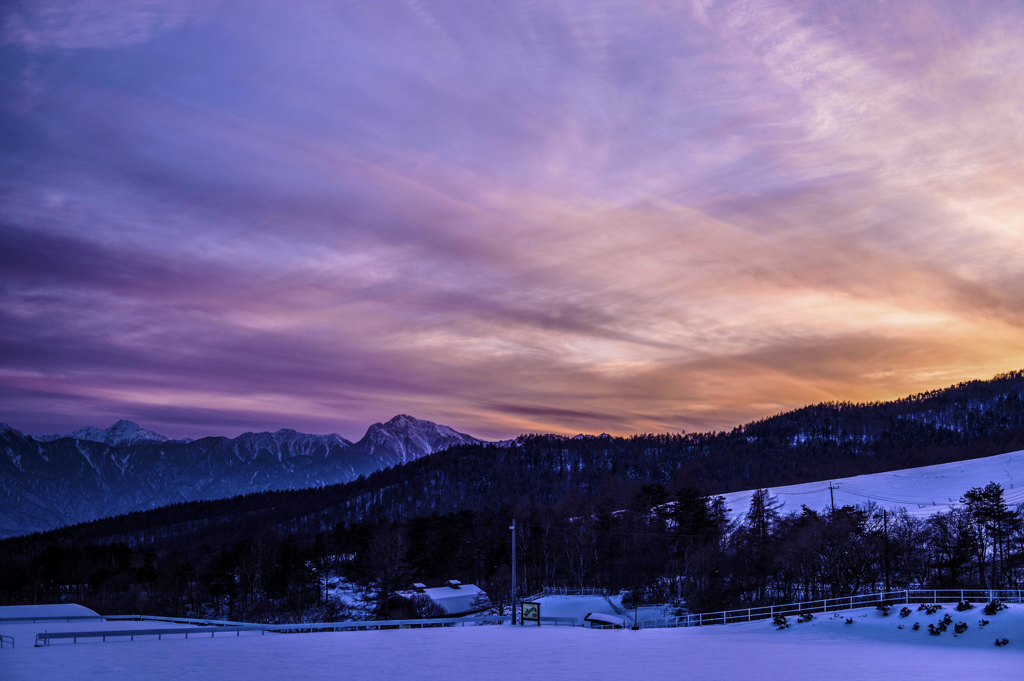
218,217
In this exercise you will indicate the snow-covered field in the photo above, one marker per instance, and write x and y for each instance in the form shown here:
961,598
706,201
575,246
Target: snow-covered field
871,648
922,491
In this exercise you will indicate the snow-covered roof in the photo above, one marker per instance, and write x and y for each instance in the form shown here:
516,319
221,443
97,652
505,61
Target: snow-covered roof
28,612
464,599
602,618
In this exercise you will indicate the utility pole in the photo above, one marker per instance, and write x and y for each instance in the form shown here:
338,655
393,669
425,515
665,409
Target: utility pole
513,528
832,494
885,544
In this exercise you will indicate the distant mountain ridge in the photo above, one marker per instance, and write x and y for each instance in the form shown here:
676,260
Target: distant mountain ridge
48,481
121,433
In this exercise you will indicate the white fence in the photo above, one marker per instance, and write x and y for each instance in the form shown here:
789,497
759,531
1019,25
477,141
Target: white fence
215,627
833,604
6,641
574,591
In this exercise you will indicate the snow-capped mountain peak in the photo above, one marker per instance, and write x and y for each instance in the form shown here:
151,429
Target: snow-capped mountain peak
121,433
7,430
405,439
286,443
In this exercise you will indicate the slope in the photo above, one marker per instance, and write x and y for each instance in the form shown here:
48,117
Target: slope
921,491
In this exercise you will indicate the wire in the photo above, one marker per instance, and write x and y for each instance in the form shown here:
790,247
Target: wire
631,534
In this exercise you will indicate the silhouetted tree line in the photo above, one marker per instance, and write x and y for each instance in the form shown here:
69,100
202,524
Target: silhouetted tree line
664,545
594,512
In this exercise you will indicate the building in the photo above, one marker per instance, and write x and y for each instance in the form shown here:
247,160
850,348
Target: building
454,599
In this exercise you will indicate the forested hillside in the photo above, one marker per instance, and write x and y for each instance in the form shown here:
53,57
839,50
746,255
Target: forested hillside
590,508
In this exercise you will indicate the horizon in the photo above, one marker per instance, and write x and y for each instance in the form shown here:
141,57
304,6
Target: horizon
355,438
225,216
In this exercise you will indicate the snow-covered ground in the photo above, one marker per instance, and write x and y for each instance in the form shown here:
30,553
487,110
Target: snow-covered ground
922,491
873,647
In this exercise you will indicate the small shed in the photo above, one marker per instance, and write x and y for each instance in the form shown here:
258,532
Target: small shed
602,620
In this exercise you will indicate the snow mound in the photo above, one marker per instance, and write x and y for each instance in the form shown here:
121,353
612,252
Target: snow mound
28,612
869,624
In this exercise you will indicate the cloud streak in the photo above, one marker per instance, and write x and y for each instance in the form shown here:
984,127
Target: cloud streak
504,217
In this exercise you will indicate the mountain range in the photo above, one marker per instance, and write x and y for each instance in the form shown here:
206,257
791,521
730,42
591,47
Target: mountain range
47,481
120,434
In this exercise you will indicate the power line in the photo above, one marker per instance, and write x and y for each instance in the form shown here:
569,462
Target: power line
631,534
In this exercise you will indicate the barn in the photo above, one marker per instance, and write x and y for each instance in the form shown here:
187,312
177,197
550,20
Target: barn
454,599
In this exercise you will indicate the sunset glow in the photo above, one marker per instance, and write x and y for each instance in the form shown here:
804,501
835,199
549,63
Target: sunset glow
503,217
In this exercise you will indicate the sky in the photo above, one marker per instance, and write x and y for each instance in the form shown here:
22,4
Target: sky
506,217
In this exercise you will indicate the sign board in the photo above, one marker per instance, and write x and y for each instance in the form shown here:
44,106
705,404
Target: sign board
529,612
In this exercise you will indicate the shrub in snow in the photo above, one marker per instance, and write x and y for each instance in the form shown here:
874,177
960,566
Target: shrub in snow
936,630
900,626
884,608
917,625
960,627
1000,642
994,606
929,608
849,620
427,607
905,612
963,606
780,621
982,623
805,617
947,620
